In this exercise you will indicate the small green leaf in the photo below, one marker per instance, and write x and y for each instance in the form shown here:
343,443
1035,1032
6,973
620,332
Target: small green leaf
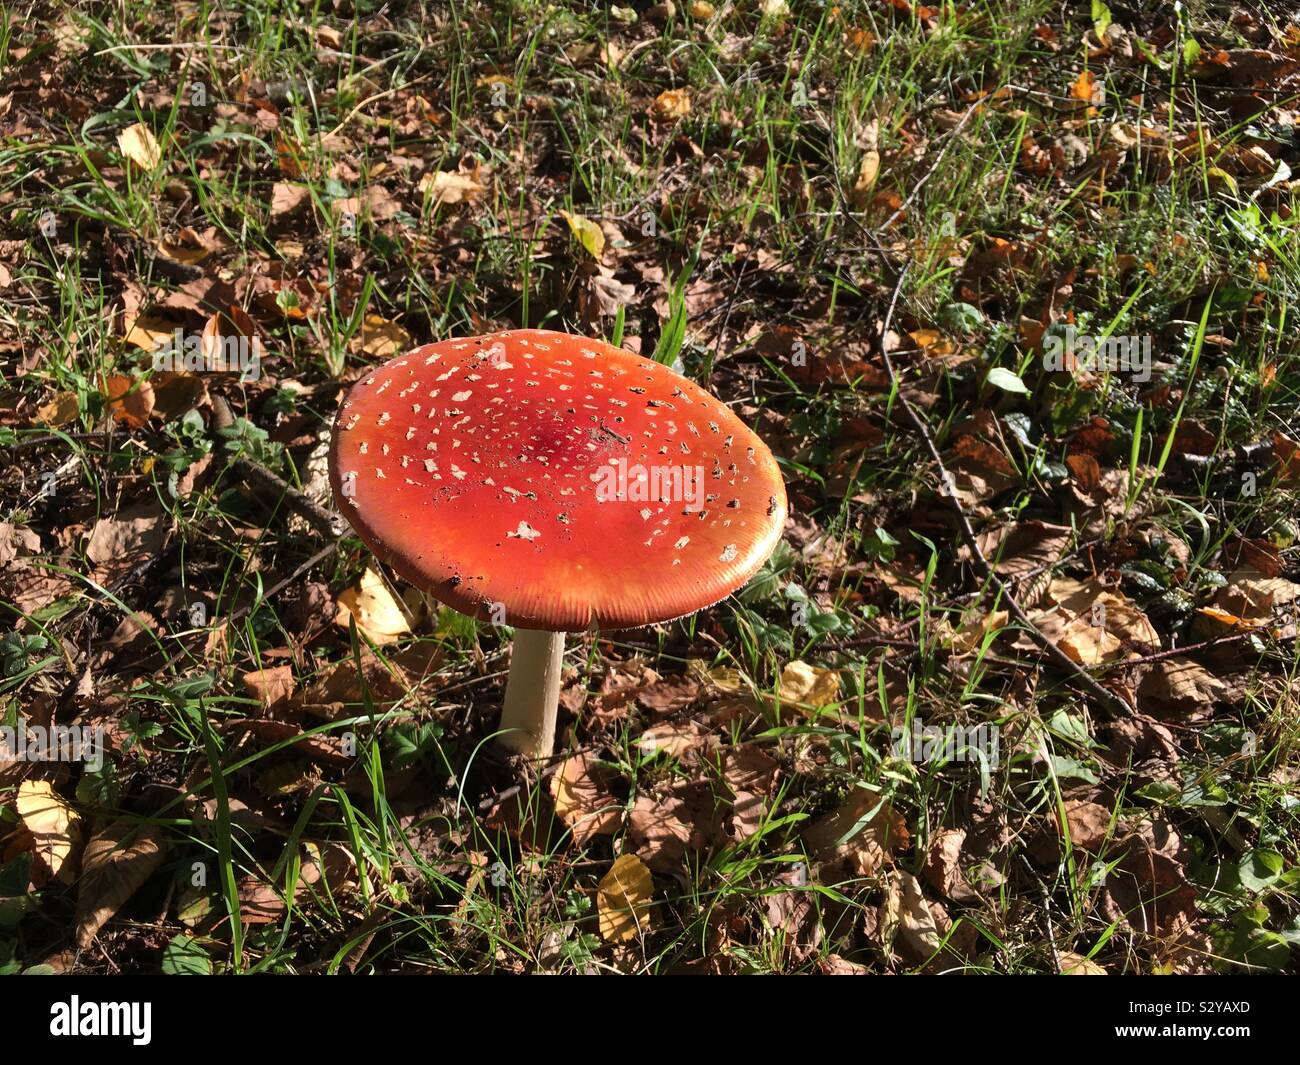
184,957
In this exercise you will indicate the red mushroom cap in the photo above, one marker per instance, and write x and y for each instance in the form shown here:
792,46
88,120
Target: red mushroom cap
547,481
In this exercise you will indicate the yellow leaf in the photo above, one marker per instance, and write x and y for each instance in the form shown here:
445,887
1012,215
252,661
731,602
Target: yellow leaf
802,683
933,343
448,186
1077,965
150,333
587,233
623,899
379,614
868,170
62,409
55,825
138,144
380,338
672,104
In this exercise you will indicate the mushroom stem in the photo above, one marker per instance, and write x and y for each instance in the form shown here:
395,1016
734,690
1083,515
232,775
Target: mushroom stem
532,693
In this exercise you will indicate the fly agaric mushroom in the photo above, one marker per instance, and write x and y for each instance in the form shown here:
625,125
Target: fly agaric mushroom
555,484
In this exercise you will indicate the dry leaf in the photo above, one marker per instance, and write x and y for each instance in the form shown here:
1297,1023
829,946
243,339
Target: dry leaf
130,401
623,899
117,861
447,186
150,332
380,616
906,919
269,686
808,686
865,833
380,338
1077,965
287,198
141,529
583,802
671,105
138,144
61,410
55,827
1181,685
1089,823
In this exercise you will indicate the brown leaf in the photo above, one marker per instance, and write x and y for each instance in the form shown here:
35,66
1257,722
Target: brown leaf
750,774
583,801
116,863
287,198
130,401
671,105
1089,823
864,832
269,686
450,187
379,614
1180,685
379,338
943,870
141,529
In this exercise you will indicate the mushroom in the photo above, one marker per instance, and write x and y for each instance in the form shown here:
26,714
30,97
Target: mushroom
554,484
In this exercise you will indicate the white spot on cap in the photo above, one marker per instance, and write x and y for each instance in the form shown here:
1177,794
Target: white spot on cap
524,532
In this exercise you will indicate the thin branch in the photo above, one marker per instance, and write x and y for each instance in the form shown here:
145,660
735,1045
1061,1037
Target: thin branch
1112,704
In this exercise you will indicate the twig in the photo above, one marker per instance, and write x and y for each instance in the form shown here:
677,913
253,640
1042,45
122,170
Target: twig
1191,648
948,139
1112,704
324,522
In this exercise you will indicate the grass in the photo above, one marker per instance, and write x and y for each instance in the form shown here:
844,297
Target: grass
753,240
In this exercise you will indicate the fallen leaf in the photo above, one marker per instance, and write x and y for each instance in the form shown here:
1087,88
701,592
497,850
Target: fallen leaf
671,105
1077,965
623,900
382,617
906,920
130,401
116,863
587,233
864,832
138,144
141,529
582,800
447,187
1180,685
807,685
379,338
55,828
1089,823
287,198
61,410
269,686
